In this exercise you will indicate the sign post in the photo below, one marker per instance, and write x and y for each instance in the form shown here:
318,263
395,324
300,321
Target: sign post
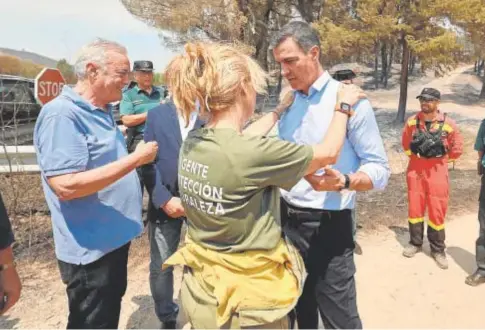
48,85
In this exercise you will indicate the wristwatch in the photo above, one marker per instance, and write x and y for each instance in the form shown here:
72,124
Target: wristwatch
346,183
345,108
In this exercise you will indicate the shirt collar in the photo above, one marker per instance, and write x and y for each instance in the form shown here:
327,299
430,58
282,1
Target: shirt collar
154,90
319,84
321,81
77,99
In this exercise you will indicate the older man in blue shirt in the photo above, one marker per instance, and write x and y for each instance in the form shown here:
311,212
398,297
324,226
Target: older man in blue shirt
90,185
320,222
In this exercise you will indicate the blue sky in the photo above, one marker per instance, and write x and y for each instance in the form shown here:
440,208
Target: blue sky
58,28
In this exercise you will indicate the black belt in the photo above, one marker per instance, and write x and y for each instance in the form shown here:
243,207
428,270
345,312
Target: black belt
295,209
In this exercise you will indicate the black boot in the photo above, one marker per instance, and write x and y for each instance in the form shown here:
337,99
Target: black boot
475,279
169,325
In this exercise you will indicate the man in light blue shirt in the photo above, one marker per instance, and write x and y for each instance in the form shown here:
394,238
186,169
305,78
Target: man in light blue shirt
347,76
319,222
90,185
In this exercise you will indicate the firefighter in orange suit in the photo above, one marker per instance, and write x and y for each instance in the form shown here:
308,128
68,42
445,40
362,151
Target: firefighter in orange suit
431,140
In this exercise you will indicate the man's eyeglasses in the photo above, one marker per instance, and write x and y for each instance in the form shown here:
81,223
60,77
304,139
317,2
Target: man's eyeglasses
123,73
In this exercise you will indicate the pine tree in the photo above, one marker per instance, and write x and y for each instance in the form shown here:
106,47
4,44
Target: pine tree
426,32
472,19
243,22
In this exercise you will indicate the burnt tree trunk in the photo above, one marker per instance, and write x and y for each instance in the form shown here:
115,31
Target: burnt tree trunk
305,7
412,65
262,44
482,93
280,80
403,95
243,8
384,61
480,67
376,64
389,66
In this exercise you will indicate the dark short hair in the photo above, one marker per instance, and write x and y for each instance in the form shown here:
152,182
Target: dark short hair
301,32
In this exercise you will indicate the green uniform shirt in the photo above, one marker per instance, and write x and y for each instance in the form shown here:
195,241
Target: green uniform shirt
229,187
137,101
480,140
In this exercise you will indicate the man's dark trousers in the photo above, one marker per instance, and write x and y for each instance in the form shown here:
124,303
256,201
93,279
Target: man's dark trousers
480,243
95,290
325,241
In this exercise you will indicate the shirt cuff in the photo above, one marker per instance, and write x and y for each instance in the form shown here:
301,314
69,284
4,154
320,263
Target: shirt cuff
378,174
62,171
161,195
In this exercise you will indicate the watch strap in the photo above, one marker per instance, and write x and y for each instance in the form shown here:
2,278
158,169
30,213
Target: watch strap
344,108
347,181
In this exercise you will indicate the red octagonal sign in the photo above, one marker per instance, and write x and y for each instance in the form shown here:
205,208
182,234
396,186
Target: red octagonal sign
48,85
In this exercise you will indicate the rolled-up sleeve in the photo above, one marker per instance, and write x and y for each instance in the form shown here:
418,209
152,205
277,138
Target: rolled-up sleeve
364,135
6,234
61,146
126,105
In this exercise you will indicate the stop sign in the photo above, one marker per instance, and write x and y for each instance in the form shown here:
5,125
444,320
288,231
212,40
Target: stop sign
48,84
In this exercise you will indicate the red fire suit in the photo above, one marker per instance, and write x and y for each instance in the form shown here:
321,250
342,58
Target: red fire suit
427,180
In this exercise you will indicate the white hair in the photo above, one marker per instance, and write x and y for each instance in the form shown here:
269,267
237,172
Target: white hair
95,52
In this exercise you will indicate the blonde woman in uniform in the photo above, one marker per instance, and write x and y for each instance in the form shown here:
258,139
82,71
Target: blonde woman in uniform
239,270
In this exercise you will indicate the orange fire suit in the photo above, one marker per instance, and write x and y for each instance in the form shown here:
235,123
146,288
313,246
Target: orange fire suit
427,180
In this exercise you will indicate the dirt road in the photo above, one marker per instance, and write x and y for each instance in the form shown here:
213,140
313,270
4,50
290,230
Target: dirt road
396,292
393,292
459,94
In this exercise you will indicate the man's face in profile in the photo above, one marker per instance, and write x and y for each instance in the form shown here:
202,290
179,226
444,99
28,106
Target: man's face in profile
300,68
